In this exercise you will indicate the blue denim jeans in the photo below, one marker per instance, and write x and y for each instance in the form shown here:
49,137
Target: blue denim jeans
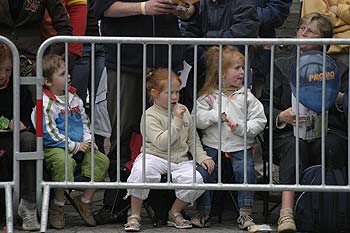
81,74
245,198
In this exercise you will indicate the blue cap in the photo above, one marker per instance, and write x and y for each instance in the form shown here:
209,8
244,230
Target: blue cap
311,75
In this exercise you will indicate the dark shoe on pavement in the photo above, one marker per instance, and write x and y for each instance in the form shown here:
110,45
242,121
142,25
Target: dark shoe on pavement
56,216
85,211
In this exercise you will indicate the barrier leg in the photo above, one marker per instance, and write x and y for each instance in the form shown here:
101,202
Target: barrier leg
45,208
9,213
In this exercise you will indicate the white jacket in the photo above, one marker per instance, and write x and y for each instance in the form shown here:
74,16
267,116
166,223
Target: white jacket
233,106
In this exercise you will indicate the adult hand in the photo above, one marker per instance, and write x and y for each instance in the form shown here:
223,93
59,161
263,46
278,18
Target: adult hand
159,7
333,9
183,12
289,117
208,165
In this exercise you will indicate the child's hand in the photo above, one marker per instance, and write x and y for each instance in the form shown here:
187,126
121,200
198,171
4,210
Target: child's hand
95,146
224,117
179,111
232,125
208,165
21,125
84,146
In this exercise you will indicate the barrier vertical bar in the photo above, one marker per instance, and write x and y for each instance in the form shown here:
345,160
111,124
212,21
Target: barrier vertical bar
9,206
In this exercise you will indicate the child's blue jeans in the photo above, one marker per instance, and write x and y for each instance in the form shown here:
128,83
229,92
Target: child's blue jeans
245,198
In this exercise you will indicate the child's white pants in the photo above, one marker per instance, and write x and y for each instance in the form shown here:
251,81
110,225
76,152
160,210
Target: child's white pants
181,173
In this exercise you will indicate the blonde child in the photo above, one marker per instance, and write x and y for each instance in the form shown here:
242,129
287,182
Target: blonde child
232,118
79,140
27,209
156,143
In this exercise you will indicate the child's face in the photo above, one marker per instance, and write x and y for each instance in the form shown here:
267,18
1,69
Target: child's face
161,98
235,74
5,72
57,83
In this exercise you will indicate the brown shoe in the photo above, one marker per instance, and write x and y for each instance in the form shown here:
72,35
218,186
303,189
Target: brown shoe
85,211
286,224
56,216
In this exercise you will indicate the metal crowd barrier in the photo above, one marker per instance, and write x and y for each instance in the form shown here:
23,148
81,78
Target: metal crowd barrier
12,189
46,185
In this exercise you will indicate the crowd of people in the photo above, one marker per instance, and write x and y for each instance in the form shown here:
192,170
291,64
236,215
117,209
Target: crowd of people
228,106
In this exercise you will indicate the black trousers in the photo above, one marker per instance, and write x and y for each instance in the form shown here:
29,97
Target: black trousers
27,168
309,154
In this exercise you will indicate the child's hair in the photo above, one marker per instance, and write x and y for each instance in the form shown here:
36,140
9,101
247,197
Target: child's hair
212,72
158,79
5,52
51,63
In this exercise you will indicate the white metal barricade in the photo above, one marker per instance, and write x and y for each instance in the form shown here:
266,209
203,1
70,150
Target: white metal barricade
168,185
12,187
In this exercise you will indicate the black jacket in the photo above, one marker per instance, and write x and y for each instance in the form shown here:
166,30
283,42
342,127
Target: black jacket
221,19
24,30
139,26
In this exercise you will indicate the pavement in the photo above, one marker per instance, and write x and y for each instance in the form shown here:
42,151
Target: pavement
75,224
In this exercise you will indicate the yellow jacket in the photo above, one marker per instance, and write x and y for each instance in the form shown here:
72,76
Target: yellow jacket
340,19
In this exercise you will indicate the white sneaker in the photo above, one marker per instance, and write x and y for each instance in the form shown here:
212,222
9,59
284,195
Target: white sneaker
29,217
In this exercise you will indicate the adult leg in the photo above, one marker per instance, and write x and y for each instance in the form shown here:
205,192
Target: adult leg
284,152
27,207
130,115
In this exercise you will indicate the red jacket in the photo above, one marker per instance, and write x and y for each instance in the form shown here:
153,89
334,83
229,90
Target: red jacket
77,11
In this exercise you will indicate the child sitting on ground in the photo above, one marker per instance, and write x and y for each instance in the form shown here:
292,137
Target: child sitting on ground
79,140
232,118
156,147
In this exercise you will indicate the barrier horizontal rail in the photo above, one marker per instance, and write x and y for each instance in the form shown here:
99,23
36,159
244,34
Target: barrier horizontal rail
181,41
214,186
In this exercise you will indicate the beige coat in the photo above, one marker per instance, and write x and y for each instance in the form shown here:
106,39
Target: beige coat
340,19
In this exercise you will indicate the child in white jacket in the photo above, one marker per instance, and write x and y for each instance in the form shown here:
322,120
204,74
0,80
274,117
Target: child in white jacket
233,126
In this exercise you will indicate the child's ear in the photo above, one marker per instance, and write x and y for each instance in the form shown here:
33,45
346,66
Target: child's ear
47,82
154,92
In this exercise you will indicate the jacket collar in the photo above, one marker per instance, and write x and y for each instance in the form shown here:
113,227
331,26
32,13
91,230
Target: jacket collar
52,96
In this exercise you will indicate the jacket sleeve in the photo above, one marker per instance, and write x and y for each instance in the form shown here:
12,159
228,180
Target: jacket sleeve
101,6
278,90
27,106
60,22
256,119
343,12
245,21
207,113
273,14
322,7
193,26
77,11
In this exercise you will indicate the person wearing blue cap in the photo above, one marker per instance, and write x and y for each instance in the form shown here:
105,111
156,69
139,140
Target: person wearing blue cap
313,25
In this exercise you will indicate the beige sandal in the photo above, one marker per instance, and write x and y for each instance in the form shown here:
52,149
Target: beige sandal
177,220
133,224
